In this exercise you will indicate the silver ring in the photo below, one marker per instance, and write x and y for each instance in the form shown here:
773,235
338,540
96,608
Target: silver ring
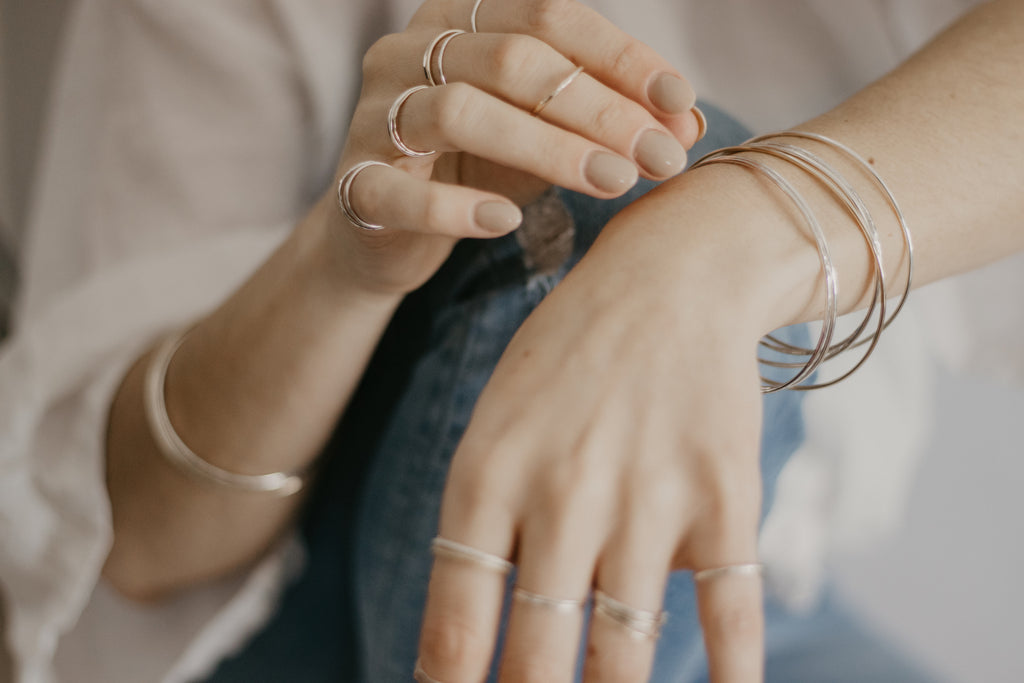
428,55
563,605
421,676
566,82
345,195
440,54
642,624
442,547
472,17
396,139
752,569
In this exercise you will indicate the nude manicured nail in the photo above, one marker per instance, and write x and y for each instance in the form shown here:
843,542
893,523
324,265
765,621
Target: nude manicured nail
610,173
498,217
659,154
671,94
702,123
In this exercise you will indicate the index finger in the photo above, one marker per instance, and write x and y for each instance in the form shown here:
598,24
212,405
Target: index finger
467,585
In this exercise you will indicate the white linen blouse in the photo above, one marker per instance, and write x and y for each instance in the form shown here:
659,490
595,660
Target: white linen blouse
182,141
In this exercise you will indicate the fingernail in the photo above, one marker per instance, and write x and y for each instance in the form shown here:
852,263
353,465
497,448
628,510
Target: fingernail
702,123
498,217
671,94
659,154
610,173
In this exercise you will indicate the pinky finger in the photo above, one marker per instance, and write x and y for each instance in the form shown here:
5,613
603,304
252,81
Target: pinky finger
385,196
732,616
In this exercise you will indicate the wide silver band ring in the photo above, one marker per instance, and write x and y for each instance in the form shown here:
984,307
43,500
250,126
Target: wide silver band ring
443,547
345,195
562,605
396,139
421,676
642,624
439,45
472,16
750,569
566,82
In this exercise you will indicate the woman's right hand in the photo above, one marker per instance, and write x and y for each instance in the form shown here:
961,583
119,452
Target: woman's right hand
628,113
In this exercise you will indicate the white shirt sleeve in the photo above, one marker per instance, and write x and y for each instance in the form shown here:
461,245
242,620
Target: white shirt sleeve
182,142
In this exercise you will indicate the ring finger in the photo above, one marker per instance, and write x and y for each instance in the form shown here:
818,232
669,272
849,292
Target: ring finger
460,117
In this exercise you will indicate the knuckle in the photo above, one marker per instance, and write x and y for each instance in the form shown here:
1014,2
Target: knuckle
609,117
435,207
380,56
451,644
478,483
659,498
627,60
513,59
453,108
543,16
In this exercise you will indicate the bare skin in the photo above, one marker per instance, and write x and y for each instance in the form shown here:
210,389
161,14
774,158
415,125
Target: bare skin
259,383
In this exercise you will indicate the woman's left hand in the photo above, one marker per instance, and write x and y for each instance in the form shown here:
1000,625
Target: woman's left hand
618,439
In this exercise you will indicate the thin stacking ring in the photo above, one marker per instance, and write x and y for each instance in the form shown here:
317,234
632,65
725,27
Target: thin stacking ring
440,44
396,139
345,195
442,547
752,569
440,54
472,17
566,82
555,604
421,676
642,624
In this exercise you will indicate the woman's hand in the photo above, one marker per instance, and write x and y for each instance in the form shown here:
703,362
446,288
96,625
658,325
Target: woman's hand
628,112
618,439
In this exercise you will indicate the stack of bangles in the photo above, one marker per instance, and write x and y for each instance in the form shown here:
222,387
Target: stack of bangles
865,334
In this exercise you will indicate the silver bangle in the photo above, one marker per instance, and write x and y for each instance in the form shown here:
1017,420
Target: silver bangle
820,351
179,454
844,193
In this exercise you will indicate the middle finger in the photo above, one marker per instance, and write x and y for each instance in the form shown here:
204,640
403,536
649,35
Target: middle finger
524,71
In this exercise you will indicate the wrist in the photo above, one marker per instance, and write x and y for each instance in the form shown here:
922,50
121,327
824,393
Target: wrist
721,232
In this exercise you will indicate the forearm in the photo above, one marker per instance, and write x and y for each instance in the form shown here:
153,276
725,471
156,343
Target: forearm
256,387
943,130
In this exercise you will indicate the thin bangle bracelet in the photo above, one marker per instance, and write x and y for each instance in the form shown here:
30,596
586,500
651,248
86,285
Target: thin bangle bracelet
180,455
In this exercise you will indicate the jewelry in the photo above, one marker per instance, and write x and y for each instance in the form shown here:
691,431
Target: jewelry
753,569
642,624
396,139
472,17
442,547
555,604
440,43
844,193
890,199
179,454
421,676
850,199
345,195
557,91
817,356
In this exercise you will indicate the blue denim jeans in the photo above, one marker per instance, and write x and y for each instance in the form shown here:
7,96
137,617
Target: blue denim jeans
355,613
